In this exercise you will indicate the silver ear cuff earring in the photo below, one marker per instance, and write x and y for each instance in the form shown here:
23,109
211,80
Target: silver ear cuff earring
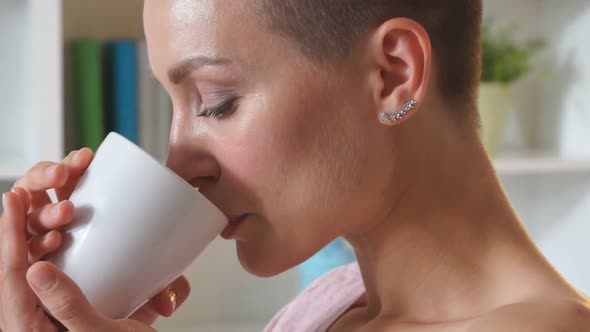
398,115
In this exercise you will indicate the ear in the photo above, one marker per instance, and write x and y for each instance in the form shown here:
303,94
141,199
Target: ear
400,55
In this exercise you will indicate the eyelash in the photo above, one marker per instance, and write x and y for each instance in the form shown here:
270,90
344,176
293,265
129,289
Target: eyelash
225,108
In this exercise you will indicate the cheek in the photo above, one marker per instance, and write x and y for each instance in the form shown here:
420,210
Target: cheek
248,147
307,162
306,179
312,160
250,154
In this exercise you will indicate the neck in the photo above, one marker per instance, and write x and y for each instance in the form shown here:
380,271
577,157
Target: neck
451,246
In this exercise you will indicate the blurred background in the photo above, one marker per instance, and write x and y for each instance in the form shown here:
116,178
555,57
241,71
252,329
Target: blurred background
74,69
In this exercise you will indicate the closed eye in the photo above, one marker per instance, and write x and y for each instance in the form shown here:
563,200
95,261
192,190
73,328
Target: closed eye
225,108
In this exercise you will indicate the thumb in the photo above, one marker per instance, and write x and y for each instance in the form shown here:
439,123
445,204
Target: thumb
64,300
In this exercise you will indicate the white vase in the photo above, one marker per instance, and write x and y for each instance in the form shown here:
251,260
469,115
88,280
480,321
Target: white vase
495,104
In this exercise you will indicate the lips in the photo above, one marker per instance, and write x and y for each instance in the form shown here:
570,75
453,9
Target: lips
232,226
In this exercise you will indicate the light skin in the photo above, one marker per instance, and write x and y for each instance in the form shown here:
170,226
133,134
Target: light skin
302,151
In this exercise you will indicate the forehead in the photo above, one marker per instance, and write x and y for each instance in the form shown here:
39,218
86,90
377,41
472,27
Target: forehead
179,29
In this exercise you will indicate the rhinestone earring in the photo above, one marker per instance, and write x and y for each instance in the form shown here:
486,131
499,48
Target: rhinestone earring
398,115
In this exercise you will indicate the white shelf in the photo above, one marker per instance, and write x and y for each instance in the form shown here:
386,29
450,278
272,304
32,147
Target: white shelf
31,118
11,166
8,174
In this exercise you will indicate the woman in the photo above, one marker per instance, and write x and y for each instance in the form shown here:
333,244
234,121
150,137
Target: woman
305,120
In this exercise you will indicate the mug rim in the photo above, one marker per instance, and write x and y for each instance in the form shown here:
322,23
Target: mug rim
155,162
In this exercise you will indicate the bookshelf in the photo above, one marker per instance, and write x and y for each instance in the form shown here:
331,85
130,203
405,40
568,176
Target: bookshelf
544,162
31,127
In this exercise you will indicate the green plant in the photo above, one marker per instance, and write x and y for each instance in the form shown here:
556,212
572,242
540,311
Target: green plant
503,59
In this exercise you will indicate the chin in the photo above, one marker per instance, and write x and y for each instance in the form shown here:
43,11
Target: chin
259,262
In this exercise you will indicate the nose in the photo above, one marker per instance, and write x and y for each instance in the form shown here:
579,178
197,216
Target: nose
189,159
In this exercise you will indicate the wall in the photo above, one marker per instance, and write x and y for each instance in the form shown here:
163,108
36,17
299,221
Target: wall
86,18
552,118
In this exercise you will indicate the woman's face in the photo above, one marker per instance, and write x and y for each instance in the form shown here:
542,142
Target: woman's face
297,149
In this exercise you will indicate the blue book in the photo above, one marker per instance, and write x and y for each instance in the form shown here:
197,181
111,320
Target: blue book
121,86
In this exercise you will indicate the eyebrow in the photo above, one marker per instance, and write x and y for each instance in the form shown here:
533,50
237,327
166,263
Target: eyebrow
182,70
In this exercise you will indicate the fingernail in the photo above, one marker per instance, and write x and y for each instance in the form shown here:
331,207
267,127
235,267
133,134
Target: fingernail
172,296
76,158
56,209
4,200
43,278
50,170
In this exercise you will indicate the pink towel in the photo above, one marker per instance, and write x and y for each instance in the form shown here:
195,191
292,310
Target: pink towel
322,303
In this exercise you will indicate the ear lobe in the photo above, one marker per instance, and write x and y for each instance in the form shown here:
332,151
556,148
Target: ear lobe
402,56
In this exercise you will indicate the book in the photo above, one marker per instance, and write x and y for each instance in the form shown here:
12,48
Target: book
155,109
163,122
147,111
121,88
87,88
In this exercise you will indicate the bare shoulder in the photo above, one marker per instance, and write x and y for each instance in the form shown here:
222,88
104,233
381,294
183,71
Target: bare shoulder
548,315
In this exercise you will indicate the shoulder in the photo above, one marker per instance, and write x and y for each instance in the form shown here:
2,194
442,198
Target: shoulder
543,315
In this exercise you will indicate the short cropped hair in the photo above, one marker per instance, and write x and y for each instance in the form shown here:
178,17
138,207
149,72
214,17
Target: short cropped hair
328,29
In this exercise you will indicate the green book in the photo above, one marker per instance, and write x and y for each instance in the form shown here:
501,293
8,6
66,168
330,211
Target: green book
88,92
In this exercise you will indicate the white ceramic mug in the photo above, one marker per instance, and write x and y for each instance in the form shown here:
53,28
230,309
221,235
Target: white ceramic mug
137,227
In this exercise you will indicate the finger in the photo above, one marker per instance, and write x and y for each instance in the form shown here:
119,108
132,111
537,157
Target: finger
17,301
77,165
50,217
41,322
146,314
64,300
42,177
23,195
163,304
14,244
170,299
40,246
